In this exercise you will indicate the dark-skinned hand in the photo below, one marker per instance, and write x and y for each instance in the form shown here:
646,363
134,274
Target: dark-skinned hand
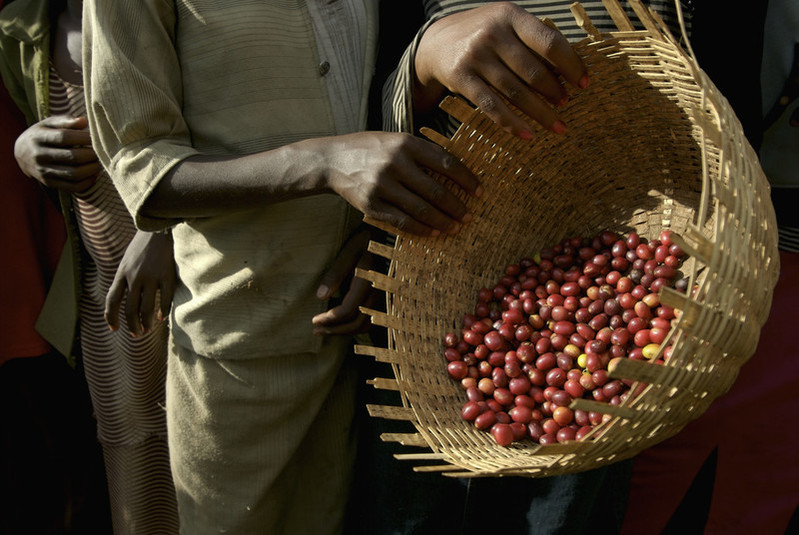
495,52
147,276
57,152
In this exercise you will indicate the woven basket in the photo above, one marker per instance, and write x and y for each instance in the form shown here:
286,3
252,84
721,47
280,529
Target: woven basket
651,145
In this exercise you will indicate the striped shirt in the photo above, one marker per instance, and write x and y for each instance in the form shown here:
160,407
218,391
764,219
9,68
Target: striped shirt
125,374
779,153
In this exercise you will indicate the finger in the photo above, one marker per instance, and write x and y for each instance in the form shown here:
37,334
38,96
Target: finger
65,121
113,300
417,209
70,179
447,210
518,69
534,106
552,46
167,294
71,173
439,161
358,325
491,103
65,137
343,265
335,316
360,322
341,320
69,156
349,307
132,311
400,221
147,307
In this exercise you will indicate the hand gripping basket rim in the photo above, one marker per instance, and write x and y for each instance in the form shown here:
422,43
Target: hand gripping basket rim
651,145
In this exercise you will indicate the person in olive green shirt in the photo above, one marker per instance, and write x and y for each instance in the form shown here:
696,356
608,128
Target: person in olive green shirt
240,127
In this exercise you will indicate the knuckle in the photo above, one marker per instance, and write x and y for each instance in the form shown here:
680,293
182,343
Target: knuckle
400,223
373,190
437,193
448,162
550,43
508,9
422,211
510,90
487,102
405,144
471,50
534,75
47,173
59,137
508,12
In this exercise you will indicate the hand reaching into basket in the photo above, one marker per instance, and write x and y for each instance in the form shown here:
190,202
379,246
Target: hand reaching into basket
497,52
381,174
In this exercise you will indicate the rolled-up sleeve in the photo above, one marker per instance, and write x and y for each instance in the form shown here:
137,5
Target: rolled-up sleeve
133,88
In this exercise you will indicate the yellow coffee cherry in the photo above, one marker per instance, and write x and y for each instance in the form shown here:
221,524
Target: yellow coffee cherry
650,351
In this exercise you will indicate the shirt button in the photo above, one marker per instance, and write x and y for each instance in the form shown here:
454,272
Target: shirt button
324,68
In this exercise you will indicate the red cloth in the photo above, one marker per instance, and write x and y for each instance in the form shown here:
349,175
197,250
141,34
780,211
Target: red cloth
32,234
756,489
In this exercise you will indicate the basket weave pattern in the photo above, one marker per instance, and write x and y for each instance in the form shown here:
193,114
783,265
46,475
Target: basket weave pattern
651,145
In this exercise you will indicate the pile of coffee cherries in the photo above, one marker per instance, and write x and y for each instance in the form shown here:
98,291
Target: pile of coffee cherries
546,332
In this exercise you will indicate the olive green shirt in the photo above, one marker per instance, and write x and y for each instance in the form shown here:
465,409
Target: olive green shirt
24,67
167,80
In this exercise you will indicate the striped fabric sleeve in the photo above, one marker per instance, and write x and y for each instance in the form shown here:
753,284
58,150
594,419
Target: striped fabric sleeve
398,89
789,239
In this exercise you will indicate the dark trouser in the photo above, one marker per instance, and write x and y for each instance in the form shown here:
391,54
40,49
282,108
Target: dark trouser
391,499
51,467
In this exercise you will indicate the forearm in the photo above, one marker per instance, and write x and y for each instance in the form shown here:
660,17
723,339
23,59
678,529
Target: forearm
205,186
380,174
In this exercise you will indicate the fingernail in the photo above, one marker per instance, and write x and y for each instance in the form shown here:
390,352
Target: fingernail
526,135
563,101
322,291
466,218
479,191
558,127
454,228
583,81
435,232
